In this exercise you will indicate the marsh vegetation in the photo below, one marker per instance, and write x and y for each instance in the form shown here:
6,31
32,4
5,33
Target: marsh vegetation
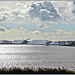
17,70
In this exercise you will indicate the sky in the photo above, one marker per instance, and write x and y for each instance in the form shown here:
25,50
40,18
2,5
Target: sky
41,20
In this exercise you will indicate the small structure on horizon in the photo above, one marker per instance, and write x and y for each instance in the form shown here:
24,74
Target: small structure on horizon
19,42
54,43
5,42
62,43
39,42
70,43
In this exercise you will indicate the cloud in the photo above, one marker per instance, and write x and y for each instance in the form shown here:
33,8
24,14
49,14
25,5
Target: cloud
3,29
42,10
22,33
22,28
68,12
2,18
36,32
73,7
63,32
29,11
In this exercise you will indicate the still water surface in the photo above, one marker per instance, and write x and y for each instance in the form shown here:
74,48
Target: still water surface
37,56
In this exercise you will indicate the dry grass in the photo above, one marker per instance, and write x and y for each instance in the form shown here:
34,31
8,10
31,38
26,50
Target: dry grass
17,70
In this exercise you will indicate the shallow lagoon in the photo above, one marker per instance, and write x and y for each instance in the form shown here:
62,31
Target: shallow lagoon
37,56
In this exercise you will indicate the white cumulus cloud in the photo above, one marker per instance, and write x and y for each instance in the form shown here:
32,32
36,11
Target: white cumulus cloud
42,10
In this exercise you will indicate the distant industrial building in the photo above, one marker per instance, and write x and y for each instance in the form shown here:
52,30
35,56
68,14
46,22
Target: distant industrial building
39,42
61,43
70,43
54,43
5,42
19,42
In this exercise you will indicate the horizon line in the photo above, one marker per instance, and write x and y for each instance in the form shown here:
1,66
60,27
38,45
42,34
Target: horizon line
36,0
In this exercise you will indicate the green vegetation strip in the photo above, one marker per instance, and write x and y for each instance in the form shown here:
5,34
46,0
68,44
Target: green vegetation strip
17,70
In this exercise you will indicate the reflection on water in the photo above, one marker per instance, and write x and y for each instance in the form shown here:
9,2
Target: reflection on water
37,56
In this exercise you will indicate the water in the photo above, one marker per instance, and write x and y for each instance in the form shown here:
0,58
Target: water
37,56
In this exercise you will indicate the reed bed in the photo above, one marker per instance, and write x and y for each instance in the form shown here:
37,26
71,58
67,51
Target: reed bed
17,70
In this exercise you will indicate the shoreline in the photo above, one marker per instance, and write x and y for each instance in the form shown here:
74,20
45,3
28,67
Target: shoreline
40,45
